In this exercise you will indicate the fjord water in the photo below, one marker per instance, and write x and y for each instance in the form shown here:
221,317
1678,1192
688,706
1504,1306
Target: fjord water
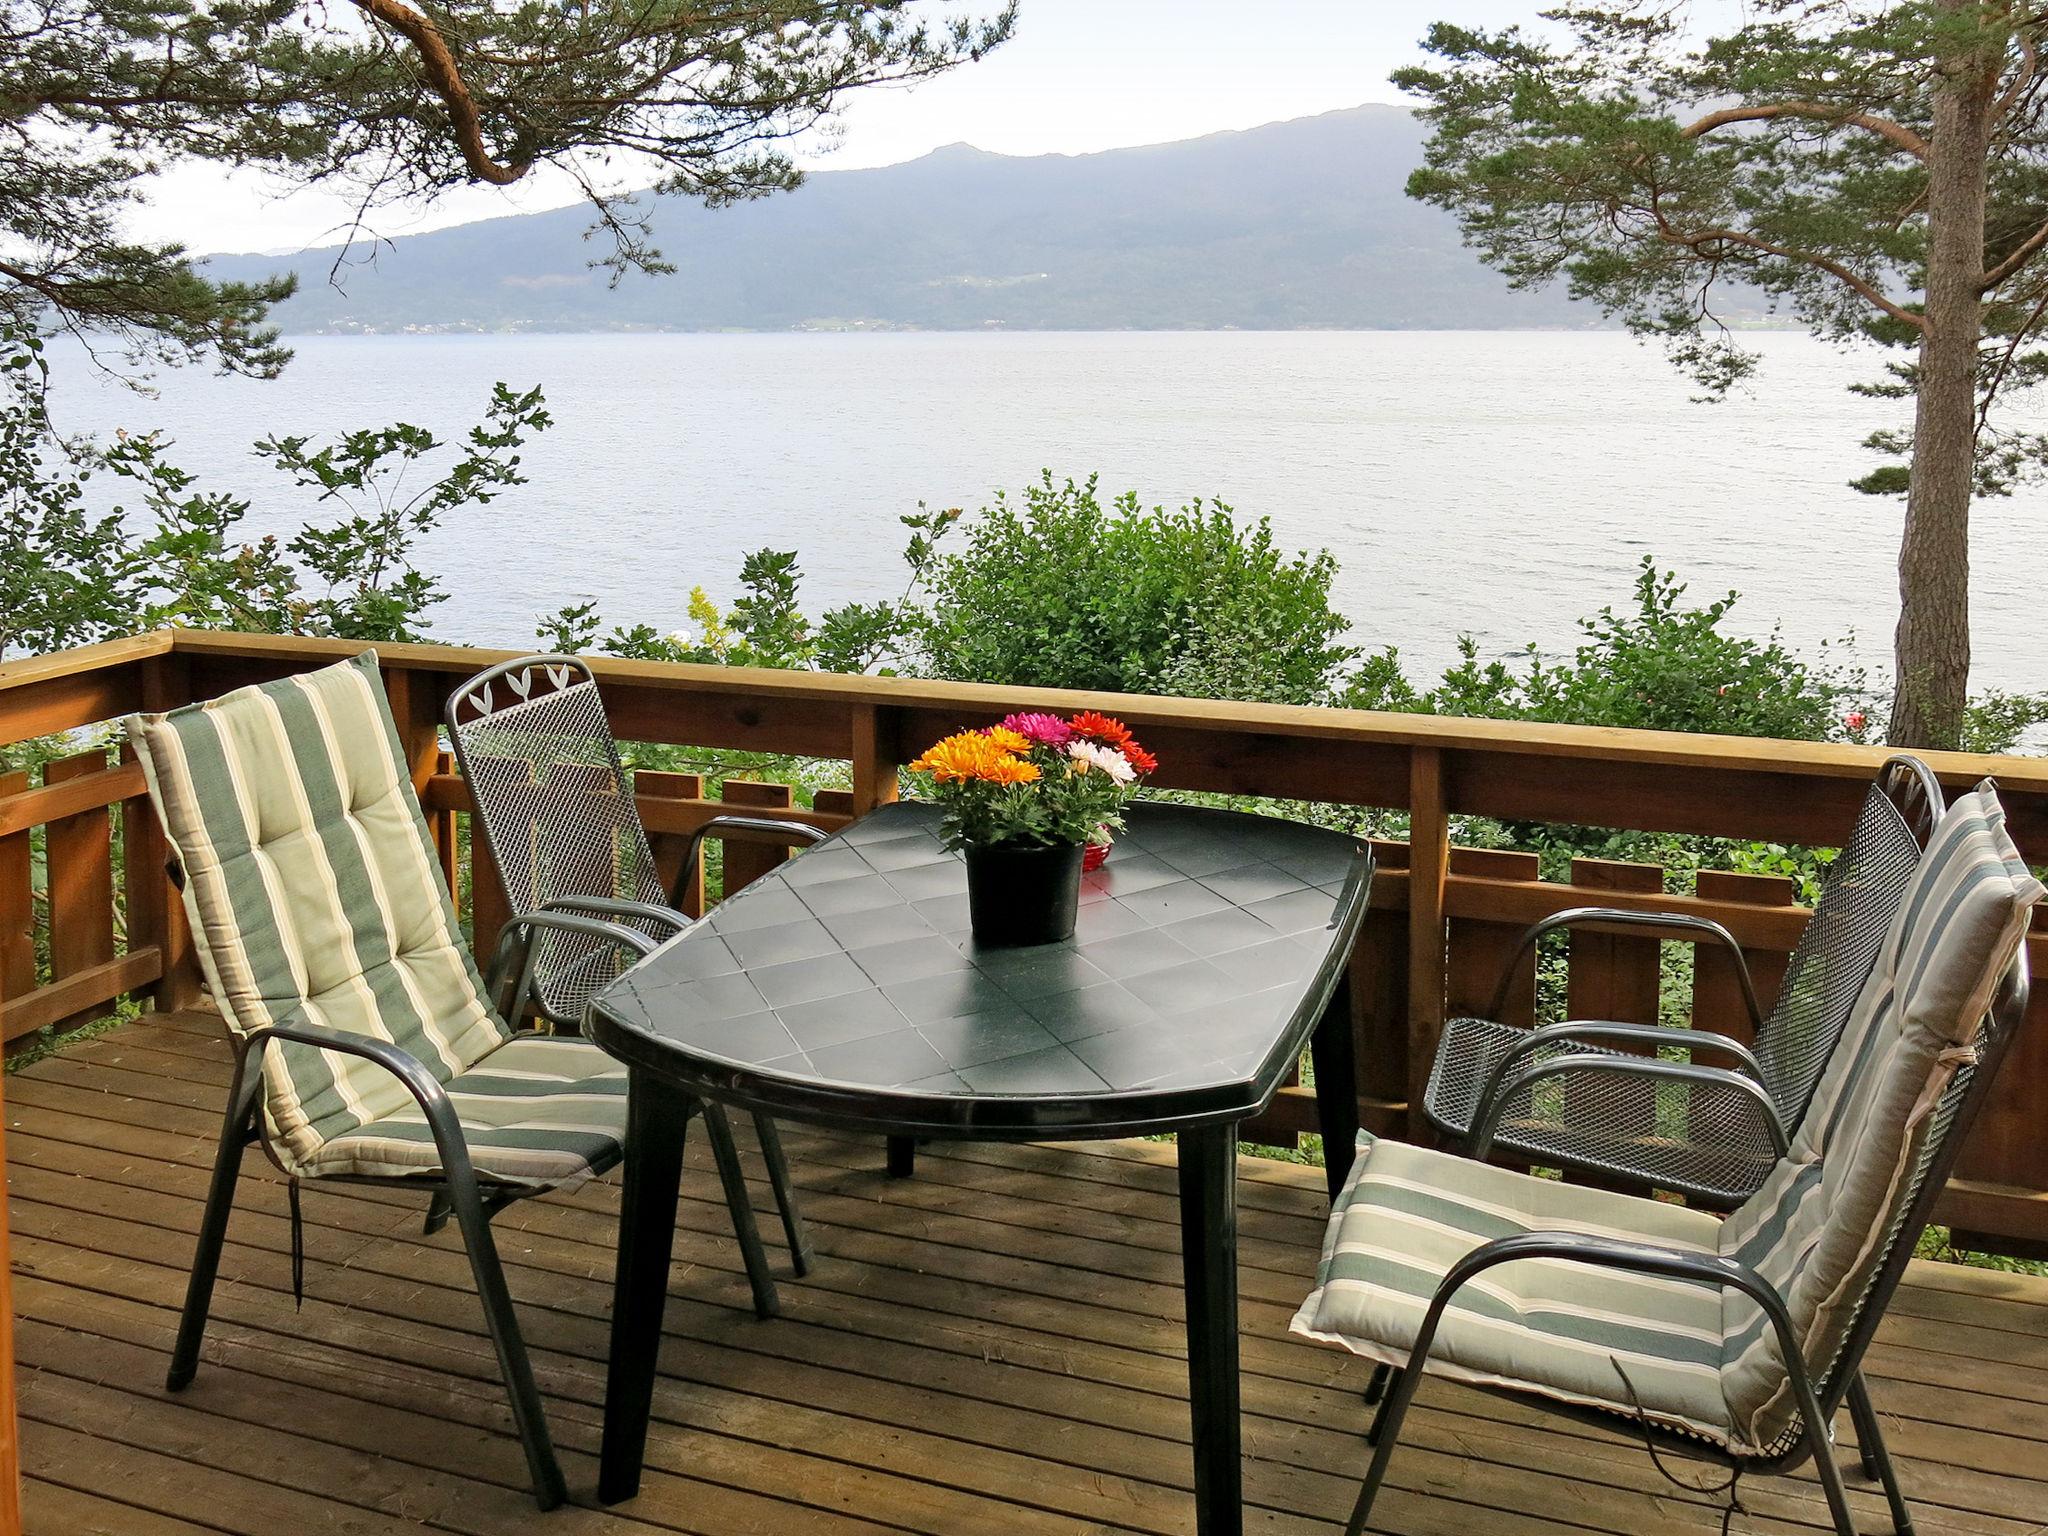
1500,484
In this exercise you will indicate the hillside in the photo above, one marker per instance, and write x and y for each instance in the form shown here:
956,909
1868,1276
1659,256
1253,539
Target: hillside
1295,224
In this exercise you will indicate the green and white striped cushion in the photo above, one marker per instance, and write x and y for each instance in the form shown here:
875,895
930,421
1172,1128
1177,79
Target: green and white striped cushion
1818,1228
1595,1337
313,888
540,1109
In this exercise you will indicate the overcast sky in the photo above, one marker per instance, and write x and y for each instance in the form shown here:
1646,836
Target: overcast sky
1080,75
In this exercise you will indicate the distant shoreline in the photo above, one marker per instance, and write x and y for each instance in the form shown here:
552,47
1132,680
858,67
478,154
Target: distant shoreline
879,328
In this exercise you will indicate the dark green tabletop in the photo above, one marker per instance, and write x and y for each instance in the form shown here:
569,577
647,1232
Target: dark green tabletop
845,985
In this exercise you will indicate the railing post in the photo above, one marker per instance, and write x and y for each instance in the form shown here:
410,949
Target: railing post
744,861
874,760
17,902
668,851
1429,861
417,714
10,1441
156,908
79,859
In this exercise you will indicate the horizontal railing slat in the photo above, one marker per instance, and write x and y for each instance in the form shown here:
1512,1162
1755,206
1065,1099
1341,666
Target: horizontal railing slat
81,990
70,797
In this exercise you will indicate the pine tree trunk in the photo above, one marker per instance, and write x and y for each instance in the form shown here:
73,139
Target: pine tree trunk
1932,647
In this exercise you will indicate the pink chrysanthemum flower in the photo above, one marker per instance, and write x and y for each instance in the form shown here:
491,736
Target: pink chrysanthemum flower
1047,730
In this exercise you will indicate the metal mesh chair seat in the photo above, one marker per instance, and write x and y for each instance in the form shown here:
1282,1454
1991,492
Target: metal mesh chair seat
1705,1140
1602,1097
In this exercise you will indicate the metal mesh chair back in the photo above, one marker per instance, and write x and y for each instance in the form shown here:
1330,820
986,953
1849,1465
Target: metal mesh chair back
1858,899
556,804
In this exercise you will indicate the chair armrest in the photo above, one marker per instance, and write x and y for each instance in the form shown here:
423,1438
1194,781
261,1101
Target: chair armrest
525,923
1617,917
1709,1269
1590,1031
794,831
1612,1253
618,906
425,1088
1486,1119
516,938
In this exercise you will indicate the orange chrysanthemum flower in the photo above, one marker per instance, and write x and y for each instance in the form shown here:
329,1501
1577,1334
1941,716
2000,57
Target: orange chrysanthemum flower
973,755
1007,739
1010,770
1138,757
1099,727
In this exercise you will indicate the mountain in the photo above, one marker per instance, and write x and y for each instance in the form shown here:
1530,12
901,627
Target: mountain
1295,224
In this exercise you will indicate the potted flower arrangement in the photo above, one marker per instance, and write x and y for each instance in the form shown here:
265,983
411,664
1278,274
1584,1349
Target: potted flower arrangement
1023,800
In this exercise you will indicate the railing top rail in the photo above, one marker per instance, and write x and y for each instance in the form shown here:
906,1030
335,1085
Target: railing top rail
1837,760
82,659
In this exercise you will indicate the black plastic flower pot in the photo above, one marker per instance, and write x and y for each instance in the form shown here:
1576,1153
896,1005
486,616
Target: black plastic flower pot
1023,893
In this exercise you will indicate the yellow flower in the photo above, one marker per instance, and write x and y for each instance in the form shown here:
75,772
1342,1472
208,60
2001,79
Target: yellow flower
973,755
1007,739
1011,770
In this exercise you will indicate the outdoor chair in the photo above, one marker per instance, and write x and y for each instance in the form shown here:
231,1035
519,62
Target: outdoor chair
367,1050
553,801
1575,1095
1740,1339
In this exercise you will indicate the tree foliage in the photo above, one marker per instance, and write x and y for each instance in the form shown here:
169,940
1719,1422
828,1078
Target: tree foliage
397,100
58,586
69,576
1877,170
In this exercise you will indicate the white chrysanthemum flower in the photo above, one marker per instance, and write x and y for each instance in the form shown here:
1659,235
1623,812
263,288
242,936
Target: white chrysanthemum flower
1108,759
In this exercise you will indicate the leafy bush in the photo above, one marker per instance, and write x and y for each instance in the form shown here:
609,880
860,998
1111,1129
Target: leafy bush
1660,666
1054,589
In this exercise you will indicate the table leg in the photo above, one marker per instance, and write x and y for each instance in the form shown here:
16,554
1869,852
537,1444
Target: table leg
1208,1243
1334,1050
902,1156
657,1116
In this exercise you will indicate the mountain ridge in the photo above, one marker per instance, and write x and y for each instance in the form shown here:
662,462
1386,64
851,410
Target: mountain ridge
1292,225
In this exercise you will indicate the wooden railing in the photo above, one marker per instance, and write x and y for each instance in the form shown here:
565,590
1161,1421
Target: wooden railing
1444,918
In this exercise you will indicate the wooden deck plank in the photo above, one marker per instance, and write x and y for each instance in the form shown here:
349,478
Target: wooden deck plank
992,1347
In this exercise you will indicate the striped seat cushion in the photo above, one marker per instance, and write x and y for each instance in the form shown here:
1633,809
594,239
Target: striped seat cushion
540,1109
1595,1337
1820,1227
313,889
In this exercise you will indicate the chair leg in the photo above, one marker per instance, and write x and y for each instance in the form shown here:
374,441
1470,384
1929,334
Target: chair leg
1376,1388
1823,1448
718,1131
438,1212
1386,1430
785,1196
1877,1459
549,1490
238,1126
1379,1420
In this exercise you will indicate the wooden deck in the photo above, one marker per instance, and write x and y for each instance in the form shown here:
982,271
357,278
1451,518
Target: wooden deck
989,1348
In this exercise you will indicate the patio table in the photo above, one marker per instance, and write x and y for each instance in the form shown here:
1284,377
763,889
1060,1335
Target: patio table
844,989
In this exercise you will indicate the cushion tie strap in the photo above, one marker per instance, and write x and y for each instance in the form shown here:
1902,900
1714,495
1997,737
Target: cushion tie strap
1731,1485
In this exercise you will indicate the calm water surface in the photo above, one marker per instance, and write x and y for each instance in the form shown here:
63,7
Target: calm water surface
1495,483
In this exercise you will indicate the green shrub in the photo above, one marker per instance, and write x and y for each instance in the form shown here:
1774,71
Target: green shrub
1659,666
1055,589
